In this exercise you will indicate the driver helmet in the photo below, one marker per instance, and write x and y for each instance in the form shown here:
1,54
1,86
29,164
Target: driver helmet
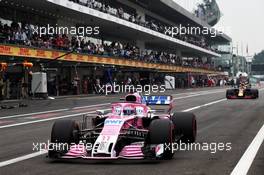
129,111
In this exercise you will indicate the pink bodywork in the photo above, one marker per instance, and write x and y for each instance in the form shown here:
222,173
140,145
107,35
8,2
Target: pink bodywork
133,151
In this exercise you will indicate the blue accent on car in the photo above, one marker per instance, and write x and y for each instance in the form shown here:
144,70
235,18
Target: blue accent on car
157,100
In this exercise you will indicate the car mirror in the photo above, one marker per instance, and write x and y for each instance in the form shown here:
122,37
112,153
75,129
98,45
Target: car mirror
101,112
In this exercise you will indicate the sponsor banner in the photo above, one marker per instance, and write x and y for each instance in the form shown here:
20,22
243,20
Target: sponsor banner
48,54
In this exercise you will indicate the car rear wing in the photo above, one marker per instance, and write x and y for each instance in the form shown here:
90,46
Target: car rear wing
157,99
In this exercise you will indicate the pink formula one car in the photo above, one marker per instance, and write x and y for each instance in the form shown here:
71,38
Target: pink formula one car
132,130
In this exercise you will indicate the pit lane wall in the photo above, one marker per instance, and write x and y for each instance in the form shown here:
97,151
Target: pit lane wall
9,50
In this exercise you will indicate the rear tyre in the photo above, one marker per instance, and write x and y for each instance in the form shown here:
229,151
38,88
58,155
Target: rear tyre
161,131
64,133
185,126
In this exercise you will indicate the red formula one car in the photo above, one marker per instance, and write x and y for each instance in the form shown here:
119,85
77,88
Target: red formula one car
132,130
244,91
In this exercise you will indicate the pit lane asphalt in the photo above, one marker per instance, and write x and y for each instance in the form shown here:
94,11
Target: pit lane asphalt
234,121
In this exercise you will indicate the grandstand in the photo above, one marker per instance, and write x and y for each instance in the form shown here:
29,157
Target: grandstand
125,39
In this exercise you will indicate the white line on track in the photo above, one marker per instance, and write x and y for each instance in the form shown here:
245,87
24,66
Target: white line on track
19,159
52,111
248,157
199,92
32,155
35,113
82,107
195,95
48,119
204,105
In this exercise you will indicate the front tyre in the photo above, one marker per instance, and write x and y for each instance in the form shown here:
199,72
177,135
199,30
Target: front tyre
63,134
161,131
185,126
255,93
229,93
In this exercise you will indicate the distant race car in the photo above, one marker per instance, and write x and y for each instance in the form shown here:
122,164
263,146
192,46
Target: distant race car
132,130
244,91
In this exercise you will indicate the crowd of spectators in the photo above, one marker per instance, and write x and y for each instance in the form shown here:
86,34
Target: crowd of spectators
206,10
153,24
22,34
